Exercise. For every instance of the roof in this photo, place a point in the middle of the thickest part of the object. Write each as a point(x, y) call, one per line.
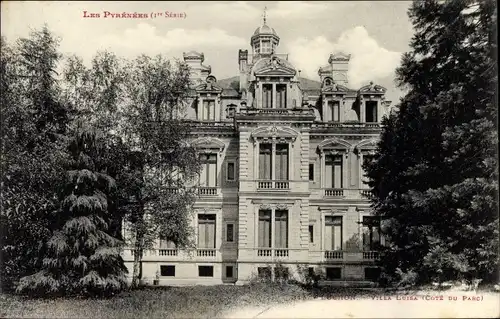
point(265, 29)
point(231, 86)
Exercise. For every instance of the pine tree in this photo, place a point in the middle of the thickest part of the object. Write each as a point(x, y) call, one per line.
point(435, 175)
point(34, 124)
point(82, 257)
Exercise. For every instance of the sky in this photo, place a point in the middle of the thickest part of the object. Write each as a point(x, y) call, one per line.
point(375, 33)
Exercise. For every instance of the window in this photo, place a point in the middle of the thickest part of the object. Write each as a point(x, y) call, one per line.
point(281, 96)
point(265, 161)
point(333, 273)
point(372, 273)
point(371, 111)
point(281, 229)
point(208, 175)
point(281, 172)
point(333, 174)
point(205, 271)
point(266, 46)
point(165, 243)
point(230, 110)
point(229, 271)
point(264, 272)
point(366, 160)
point(311, 233)
point(267, 96)
point(208, 111)
point(281, 273)
point(167, 271)
point(333, 233)
point(206, 231)
point(311, 172)
point(230, 233)
point(231, 170)
point(371, 233)
point(333, 111)
point(265, 228)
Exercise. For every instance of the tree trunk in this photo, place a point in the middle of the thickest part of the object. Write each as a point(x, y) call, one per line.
point(138, 250)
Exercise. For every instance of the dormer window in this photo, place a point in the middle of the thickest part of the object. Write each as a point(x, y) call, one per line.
point(328, 82)
point(230, 111)
point(208, 111)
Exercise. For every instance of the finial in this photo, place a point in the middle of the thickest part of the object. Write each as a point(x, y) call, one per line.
point(264, 15)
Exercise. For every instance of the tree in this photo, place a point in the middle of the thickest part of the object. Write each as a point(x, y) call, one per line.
point(160, 162)
point(33, 127)
point(435, 175)
point(81, 256)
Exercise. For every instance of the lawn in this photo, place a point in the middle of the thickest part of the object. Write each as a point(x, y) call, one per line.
point(164, 302)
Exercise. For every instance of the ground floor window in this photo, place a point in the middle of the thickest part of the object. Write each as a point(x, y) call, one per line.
point(264, 272)
point(167, 271)
point(205, 271)
point(333, 273)
point(229, 271)
point(281, 273)
point(372, 273)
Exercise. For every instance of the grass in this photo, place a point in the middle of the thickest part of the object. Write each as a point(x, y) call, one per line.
point(164, 302)
point(173, 302)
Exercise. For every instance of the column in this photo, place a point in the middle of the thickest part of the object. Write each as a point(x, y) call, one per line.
point(360, 169)
point(324, 117)
point(290, 161)
point(341, 110)
point(273, 227)
point(258, 96)
point(351, 169)
point(362, 111)
point(217, 108)
point(274, 95)
point(322, 168)
point(256, 159)
point(200, 109)
point(273, 161)
point(322, 230)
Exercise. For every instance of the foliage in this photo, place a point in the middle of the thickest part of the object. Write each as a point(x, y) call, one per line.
point(81, 257)
point(159, 163)
point(435, 175)
point(33, 127)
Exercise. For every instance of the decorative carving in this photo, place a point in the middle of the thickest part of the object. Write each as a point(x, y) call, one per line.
point(282, 206)
point(265, 206)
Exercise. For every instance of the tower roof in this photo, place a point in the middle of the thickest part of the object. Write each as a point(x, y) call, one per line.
point(265, 30)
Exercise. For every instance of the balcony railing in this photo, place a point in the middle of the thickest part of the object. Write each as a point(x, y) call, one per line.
point(371, 255)
point(269, 252)
point(208, 191)
point(168, 252)
point(334, 254)
point(276, 111)
point(206, 252)
point(347, 193)
point(334, 192)
point(284, 185)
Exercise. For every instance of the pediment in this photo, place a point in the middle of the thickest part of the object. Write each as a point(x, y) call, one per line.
point(372, 88)
point(335, 88)
point(334, 144)
point(275, 132)
point(208, 143)
point(208, 87)
point(269, 71)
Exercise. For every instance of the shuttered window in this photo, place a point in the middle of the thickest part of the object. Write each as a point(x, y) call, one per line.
point(206, 231)
point(281, 96)
point(208, 110)
point(267, 96)
point(281, 162)
point(371, 233)
point(264, 228)
point(333, 233)
point(333, 174)
point(281, 229)
point(208, 175)
point(265, 161)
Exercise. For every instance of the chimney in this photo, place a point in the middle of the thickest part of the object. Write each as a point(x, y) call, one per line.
point(243, 63)
point(194, 60)
point(340, 65)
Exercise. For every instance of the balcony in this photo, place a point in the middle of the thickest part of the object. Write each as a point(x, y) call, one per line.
point(208, 191)
point(276, 111)
point(273, 185)
point(273, 252)
point(347, 193)
point(334, 255)
point(206, 252)
point(371, 255)
point(168, 252)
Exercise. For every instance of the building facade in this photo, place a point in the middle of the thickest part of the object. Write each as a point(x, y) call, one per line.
point(282, 178)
